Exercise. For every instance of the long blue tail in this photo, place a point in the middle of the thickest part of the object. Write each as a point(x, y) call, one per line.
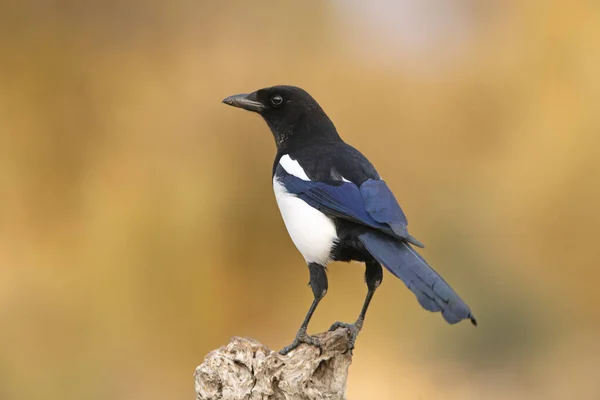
point(432, 291)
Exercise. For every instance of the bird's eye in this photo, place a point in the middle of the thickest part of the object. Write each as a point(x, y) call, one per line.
point(276, 100)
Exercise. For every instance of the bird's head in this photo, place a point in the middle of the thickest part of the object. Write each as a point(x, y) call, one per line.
point(291, 113)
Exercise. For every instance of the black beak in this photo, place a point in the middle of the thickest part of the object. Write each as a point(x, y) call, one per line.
point(245, 101)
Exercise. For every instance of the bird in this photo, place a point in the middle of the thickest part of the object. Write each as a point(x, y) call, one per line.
point(336, 207)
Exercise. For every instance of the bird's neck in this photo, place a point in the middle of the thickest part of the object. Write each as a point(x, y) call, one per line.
point(305, 132)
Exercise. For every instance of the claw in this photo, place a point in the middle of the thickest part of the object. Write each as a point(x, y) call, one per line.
point(338, 324)
point(353, 329)
point(302, 337)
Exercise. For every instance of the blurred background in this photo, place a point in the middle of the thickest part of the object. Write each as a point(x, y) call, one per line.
point(138, 229)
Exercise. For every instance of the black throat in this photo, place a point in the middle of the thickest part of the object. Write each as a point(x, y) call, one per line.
point(303, 129)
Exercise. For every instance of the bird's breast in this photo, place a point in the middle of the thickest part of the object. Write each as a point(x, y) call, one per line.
point(313, 233)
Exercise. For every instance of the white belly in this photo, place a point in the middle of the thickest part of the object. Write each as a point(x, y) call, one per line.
point(312, 232)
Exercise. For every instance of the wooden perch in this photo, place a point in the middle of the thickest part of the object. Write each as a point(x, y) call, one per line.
point(246, 369)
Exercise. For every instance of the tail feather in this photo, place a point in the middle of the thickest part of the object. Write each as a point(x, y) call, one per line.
point(432, 291)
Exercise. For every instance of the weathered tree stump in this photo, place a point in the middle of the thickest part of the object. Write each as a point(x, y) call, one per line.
point(246, 369)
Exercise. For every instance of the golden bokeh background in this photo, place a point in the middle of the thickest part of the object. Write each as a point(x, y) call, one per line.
point(138, 229)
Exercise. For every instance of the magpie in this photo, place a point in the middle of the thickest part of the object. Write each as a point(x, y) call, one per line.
point(336, 207)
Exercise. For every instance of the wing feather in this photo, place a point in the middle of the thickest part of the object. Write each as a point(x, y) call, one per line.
point(373, 204)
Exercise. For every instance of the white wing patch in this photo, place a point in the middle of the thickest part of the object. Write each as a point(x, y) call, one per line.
point(292, 167)
point(313, 233)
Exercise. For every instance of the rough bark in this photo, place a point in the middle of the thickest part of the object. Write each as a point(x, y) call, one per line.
point(246, 369)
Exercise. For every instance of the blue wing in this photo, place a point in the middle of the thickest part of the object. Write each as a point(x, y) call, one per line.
point(373, 204)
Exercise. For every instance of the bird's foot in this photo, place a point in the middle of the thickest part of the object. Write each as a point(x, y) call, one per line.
point(353, 329)
point(302, 337)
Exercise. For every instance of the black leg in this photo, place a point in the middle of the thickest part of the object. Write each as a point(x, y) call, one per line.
point(319, 285)
point(373, 278)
